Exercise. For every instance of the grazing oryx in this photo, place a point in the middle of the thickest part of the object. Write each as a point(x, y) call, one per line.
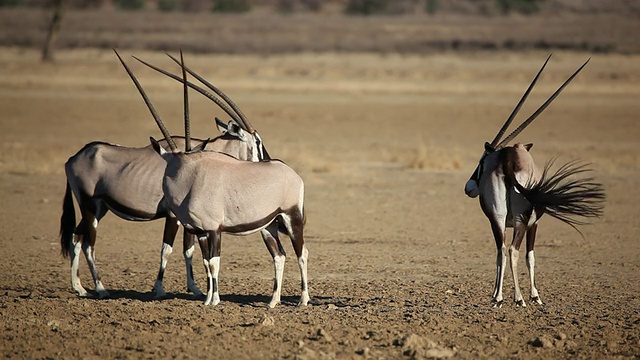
point(514, 193)
point(128, 181)
point(211, 192)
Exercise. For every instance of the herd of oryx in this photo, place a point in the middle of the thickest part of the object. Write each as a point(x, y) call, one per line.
point(230, 184)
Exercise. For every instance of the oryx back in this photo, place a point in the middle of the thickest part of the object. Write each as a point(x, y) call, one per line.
point(208, 190)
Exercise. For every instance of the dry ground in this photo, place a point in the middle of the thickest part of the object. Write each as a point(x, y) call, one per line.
point(401, 263)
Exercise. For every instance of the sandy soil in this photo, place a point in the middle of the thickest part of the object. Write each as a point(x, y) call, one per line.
point(401, 261)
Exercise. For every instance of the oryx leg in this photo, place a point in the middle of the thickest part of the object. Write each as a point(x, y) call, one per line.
point(168, 237)
point(78, 238)
point(210, 246)
point(294, 223)
point(531, 262)
point(189, 246)
point(499, 233)
point(88, 244)
point(272, 241)
point(519, 230)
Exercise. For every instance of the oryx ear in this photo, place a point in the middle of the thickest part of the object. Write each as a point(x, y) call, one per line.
point(234, 129)
point(201, 146)
point(528, 146)
point(222, 127)
point(156, 146)
point(488, 148)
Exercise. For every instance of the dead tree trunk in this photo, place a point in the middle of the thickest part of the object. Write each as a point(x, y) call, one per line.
point(52, 31)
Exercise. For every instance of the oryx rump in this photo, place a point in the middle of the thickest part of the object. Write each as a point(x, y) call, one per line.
point(514, 193)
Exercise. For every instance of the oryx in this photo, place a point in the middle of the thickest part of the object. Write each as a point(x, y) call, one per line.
point(128, 181)
point(211, 193)
point(514, 193)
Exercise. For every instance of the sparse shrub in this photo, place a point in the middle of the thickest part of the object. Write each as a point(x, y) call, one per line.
point(167, 5)
point(231, 6)
point(312, 5)
point(521, 6)
point(129, 4)
point(374, 7)
point(431, 6)
point(8, 3)
point(366, 7)
point(286, 6)
point(86, 4)
point(195, 5)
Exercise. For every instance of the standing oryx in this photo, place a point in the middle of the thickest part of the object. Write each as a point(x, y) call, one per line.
point(212, 192)
point(513, 193)
point(128, 181)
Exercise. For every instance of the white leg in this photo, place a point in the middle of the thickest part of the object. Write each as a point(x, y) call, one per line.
point(75, 263)
point(501, 263)
point(158, 288)
point(513, 262)
point(278, 265)
point(531, 265)
point(302, 263)
point(90, 256)
point(191, 282)
point(212, 267)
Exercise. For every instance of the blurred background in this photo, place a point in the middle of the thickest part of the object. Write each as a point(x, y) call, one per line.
point(290, 26)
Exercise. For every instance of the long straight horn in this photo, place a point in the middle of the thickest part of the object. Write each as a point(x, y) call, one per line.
point(147, 101)
point(197, 88)
point(224, 96)
point(517, 108)
point(187, 123)
point(542, 107)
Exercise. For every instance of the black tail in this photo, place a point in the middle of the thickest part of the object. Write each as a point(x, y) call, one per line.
point(565, 198)
point(67, 223)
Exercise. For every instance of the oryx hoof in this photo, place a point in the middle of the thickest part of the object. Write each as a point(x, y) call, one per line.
point(103, 294)
point(215, 300)
point(304, 300)
point(498, 304)
point(273, 303)
point(521, 303)
point(159, 294)
point(537, 300)
point(82, 292)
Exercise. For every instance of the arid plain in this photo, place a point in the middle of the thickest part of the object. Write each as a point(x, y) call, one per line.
point(401, 261)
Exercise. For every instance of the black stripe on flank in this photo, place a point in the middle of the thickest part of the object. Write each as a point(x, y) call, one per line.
point(131, 214)
point(252, 225)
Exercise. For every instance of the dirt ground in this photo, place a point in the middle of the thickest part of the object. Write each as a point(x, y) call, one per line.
point(401, 261)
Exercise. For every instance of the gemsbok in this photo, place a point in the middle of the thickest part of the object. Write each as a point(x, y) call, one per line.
point(514, 193)
point(211, 193)
point(128, 182)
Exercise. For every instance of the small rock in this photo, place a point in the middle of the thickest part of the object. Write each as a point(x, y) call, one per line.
point(54, 324)
point(266, 320)
point(363, 352)
point(325, 335)
point(44, 201)
point(449, 292)
point(542, 341)
point(570, 344)
point(440, 353)
point(331, 307)
point(561, 336)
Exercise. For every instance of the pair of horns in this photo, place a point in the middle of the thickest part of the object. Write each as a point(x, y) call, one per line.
point(235, 113)
point(494, 143)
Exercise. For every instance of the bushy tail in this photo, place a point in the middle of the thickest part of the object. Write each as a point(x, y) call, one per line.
point(568, 199)
point(67, 223)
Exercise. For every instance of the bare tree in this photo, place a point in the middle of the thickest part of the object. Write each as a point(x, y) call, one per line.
point(52, 30)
